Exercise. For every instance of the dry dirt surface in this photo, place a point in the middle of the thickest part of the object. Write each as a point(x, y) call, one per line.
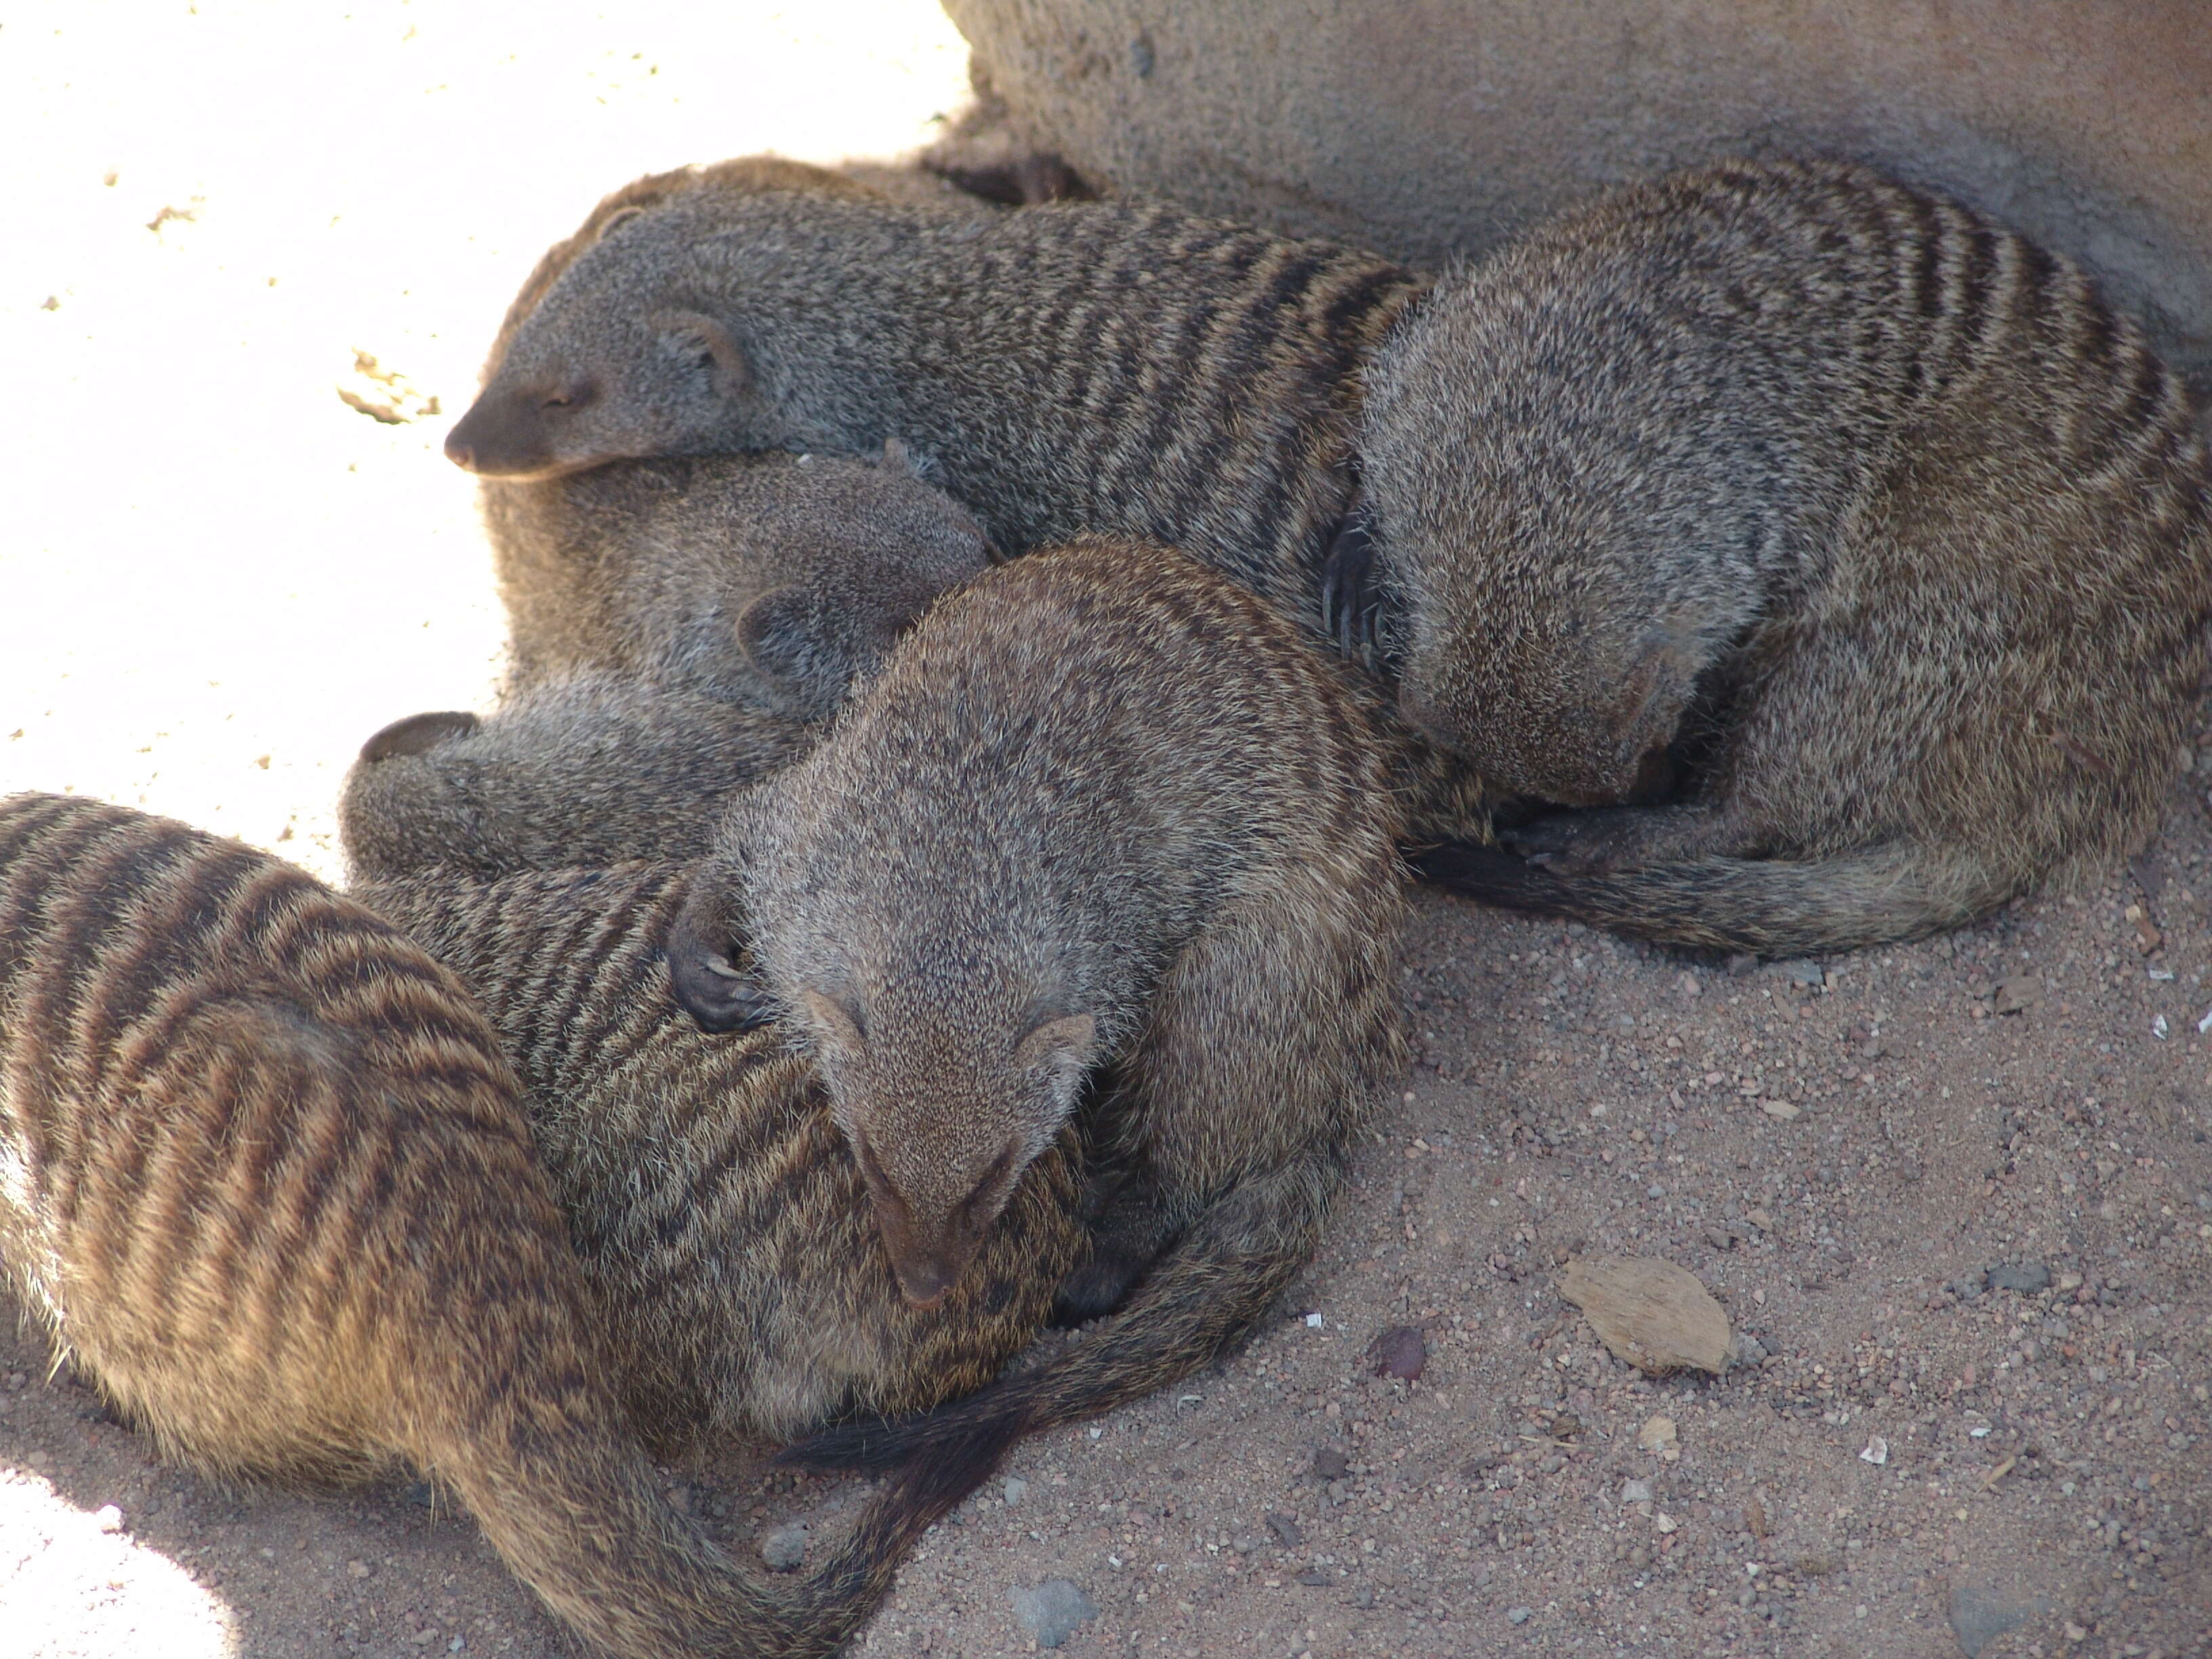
point(1955, 1198)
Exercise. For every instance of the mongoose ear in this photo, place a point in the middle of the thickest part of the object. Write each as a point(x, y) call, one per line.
point(702, 966)
point(1655, 692)
point(839, 1030)
point(620, 216)
point(692, 334)
point(775, 632)
point(1061, 1046)
point(785, 635)
point(418, 734)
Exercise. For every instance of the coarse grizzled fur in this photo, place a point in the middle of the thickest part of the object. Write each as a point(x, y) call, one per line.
point(580, 770)
point(714, 1204)
point(1104, 838)
point(1849, 552)
point(271, 1190)
point(769, 581)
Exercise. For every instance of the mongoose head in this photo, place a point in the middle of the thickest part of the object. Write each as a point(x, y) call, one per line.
point(1539, 629)
point(952, 1057)
point(1552, 708)
point(620, 355)
point(839, 559)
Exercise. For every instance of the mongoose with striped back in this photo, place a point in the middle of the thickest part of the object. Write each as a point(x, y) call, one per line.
point(1104, 837)
point(1063, 369)
point(718, 1213)
point(1849, 553)
point(272, 1190)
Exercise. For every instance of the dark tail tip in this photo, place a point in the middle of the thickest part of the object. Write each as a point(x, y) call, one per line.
point(865, 1448)
point(1491, 874)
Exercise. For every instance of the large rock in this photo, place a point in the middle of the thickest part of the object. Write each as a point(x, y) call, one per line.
point(1429, 127)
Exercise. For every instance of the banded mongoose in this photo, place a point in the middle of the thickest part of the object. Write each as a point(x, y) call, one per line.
point(1849, 550)
point(771, 580)
point(1103, 837)
point(1070, 369)
point(271, 1190)
point(717, 1210)
point(1060, 370)
point(584, 769)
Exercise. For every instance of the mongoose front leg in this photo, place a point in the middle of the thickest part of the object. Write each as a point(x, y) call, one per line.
point(1600, 840)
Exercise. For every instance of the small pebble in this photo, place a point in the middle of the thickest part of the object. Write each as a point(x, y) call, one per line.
point(784, 1548)
point(2026, 1278)
point(1519, 1616)
point(1285, 1528)
point(1636, 1492)
point(1398, 1353)
point(1015, 1490)
point(1051, 1612)
point(1330, 1464)
point(109, 1517)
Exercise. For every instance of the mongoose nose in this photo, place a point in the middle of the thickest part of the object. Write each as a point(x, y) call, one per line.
point(461, 455)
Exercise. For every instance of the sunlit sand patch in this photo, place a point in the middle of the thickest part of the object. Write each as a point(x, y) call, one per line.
point(77, 1585)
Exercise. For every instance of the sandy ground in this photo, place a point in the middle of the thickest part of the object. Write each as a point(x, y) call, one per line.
point(222, 577)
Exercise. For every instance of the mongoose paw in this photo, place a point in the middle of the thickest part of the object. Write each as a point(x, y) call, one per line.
point(1560, 841)
point(418, 734)
point(1096, 1287)
point(719, 995)
point(1350, 601)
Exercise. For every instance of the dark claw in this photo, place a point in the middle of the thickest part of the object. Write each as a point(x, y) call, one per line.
point(1351, 604)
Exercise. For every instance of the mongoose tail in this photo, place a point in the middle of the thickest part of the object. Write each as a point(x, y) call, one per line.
point(1767, 907)
point(625, 1571)
point(1211, 1289)
point(564, 1494)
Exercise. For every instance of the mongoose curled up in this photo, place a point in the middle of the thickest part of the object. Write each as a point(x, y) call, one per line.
point(716, 1208)
point(677, 628)
point(1104, 834)
point(584, 769)
point(271, 1190)
point(1872, 518)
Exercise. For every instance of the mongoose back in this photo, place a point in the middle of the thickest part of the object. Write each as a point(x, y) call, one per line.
point(1065, 369)
point(584, 769)
point(1104, 818)
point(271, 1187)
point(716, 1208)
point(1872, 517)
